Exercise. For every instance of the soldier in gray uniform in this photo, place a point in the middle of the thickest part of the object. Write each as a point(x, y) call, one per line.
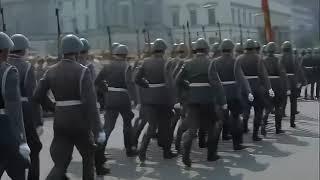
point(200, 101)
point(238, 50)
point(255, 71)
point(84, 58)
point(31, 110)
point(308, 64)
point(157, 101)
point(215, 49)
point(77, 121)
point(289, 63)
point(280, 85)
point(14, 157)
point(114, 82)
point(234, 84)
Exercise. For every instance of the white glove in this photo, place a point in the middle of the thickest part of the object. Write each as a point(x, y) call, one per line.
point(177, 106)
point(225, 107)
point(271, 93)
point(250, 97)
point(39, 130)
point(24, 150)
point(101, 137)
point(288, 92)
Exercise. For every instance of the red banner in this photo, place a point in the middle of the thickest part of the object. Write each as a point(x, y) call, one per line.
point(267, 21)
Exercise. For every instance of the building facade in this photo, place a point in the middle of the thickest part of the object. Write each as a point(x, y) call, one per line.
point(212, 19)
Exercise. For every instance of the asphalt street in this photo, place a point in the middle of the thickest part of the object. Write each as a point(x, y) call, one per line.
point(291, 156)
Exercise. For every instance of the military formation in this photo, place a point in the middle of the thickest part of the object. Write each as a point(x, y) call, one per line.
point(197, 91)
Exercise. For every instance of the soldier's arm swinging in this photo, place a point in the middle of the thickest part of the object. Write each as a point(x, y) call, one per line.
point(30, 86)
point(40, 93)
point(283, 76)
point(263, 73)
point(216, 84)
point(139, 78)
point(13, 105)
point(240, 78)
point(89, 101)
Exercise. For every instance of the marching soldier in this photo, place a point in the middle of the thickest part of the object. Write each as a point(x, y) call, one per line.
point(200, 103)
point(255, 71)
point(258, 47)
point(84, 58)
point(113, 80)
point(234, 83)
point(279, 82)
point(215, 49)
point(238, 50)
point(76, 120)
point(14, 157)
point(287, 60)
point(157, 101)
point(308, 64)
point(31, 111)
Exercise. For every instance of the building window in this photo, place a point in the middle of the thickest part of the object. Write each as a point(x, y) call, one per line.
point(125, 14)
point(233, 16)
point(250, 18)
point(193, 17)
point(175, 19)
point(212, 16)
point(244, 17)
point(87, 4)
point(239, 17)
point(87, 22)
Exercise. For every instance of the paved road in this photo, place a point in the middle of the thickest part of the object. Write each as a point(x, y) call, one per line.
point(292, 156)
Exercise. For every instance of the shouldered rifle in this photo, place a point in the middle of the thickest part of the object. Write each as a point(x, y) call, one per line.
point(184, 34)
point(4, 29)
point(204, 32)
point(138, 43)
point(109, 40)
point(59, 34)
point(189, 40)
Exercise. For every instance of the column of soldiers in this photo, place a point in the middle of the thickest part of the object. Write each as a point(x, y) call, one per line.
point(198, 92)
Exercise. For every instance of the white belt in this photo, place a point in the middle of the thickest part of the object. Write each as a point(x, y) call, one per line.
point(68, 103)
point(2, 111)
point(24, 99)
point(228, 82)
point(157, 85)
point(199, 85)
point(274, 77)
point(290, 74)
point(308, 67)
point(251, 77)
point(117, 89)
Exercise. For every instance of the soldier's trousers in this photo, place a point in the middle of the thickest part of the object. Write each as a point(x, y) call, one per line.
point(195, 113)
point(138, 126)
point(277, 104)
point(258, 105)
point(158, 116)
point(233, 117)
point(111, 116)
point(61, 152)
point(35, 147)
point(293, 102)
point(33, 141)
point(12, 165)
